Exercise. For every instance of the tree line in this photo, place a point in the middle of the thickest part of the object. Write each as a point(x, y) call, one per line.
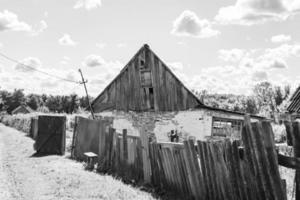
point(42, 102)
point(265, 100)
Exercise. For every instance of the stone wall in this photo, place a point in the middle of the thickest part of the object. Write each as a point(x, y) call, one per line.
point(195, 124)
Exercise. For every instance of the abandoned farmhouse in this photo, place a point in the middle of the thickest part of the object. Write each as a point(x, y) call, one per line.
point(147, 95)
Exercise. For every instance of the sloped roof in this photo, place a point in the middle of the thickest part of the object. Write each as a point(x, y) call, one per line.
point(27, 108)
point(146, 46)
point(295, 102)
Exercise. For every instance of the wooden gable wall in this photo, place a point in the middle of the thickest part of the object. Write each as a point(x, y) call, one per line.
point(145, 84)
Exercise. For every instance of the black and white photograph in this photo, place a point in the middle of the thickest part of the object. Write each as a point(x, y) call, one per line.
point(149, 100)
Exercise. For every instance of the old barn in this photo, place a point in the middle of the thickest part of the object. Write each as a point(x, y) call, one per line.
point(147, 95)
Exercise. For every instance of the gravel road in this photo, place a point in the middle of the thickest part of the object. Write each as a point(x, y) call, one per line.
point(25, 177)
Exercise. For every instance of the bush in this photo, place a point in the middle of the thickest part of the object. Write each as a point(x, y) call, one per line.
point(21, 122)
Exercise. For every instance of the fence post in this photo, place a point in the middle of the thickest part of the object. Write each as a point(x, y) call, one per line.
point(145, 154)
point(74, 137)
point(125, 146)
point(289, 132)
point(296, 146)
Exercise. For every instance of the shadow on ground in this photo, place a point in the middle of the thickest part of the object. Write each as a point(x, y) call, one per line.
point(39, 154)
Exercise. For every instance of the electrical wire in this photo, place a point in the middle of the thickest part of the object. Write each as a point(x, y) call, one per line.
point(34, 69)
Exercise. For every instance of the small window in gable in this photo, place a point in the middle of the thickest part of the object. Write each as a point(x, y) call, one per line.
point(146, 79)
point(142, 64)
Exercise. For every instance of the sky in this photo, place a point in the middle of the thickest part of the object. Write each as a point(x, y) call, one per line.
point(223, 46)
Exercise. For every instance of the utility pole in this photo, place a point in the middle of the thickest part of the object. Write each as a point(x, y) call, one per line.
point(87, 95)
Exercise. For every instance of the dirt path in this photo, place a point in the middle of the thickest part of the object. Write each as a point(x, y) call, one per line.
point(24, 177)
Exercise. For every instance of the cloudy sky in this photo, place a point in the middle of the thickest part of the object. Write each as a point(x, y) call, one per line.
point(222, 46)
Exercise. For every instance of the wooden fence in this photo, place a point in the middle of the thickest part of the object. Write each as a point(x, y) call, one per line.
point(246, 169)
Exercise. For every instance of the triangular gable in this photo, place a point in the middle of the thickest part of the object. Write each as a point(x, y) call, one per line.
point(22, 109)
point(146, 83)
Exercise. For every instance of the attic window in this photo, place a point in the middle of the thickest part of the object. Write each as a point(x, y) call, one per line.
point(146, 79)
point(142, 63)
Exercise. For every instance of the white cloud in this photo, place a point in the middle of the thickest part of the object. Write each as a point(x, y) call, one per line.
point(283, 51)
point(66, 40)
point(41, 28)
point(49, 84)
point(247, 68)
point(275, 63)
point(278, 64)
point(280, 38)
point(10, 21)
point(106, 71)
point(1, 45)
point(65, 60)
point(267, 59)
point(94, 61)
point(28, 64)
point(121, 45)
point(87, 4)
point(181, 43)
point(249, 12)
point(259, 76)
point(231, 55)
point(176, 66)
point(189, 24)
point(101, 45)
point(178, 69)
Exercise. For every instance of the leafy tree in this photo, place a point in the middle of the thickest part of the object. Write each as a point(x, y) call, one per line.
point(5, 99)
point(53, 103)
point(73, 101)
point(33, 101)
point(15, 99)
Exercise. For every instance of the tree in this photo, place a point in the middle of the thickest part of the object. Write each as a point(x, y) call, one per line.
point(5, 99)
point(73, 103)
point(265, 98)
point(33, 101)
point(53, 103)
point(16, 99)
point(250, 106)
point(84, 103)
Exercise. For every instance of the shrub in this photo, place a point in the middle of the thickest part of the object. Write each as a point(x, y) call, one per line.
point(21, 122)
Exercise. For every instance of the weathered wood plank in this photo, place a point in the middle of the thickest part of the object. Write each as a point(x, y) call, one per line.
point(271, 157)
point(250, 156)
point(145, 154)
point(201, 146)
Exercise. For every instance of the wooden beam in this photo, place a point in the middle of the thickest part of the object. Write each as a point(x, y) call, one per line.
point(289, 162)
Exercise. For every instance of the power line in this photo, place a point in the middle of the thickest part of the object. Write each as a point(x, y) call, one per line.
point(34, 69)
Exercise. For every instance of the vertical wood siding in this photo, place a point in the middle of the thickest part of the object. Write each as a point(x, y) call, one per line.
point(126, 91)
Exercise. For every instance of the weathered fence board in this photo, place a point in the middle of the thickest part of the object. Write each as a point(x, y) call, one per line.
point(87, 136)
point(51, 135)
point(33, 128)
point(258, 139)
point(210, 170)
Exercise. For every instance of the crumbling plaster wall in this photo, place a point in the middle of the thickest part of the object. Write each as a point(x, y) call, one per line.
point(189, 124)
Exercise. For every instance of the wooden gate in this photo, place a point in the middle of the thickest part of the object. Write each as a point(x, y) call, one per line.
point(51, 136)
